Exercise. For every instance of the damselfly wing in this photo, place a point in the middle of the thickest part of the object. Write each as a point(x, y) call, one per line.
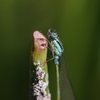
point(66, 90)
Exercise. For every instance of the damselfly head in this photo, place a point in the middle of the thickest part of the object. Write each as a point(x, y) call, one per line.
point(52, 33)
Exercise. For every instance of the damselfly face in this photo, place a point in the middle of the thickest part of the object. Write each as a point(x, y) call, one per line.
point(52, 33)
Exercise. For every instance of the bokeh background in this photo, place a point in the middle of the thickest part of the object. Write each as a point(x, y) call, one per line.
point(78, 25)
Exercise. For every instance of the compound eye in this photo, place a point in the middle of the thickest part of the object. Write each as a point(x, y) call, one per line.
point(51, 30)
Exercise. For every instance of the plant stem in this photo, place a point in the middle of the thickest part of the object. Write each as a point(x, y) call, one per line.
point(39, 80)
point(58, 84)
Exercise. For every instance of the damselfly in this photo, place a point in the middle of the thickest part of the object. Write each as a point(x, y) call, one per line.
point(64, 89)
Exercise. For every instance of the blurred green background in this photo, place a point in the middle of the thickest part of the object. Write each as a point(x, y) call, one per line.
point(78, 25)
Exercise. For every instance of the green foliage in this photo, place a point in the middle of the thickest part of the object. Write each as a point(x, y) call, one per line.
point(77, 23)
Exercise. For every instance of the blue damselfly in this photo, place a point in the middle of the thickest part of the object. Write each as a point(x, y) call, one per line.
point(64, 88)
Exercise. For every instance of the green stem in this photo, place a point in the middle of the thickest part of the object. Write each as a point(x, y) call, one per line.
point(40, 88)
point(58, 84)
